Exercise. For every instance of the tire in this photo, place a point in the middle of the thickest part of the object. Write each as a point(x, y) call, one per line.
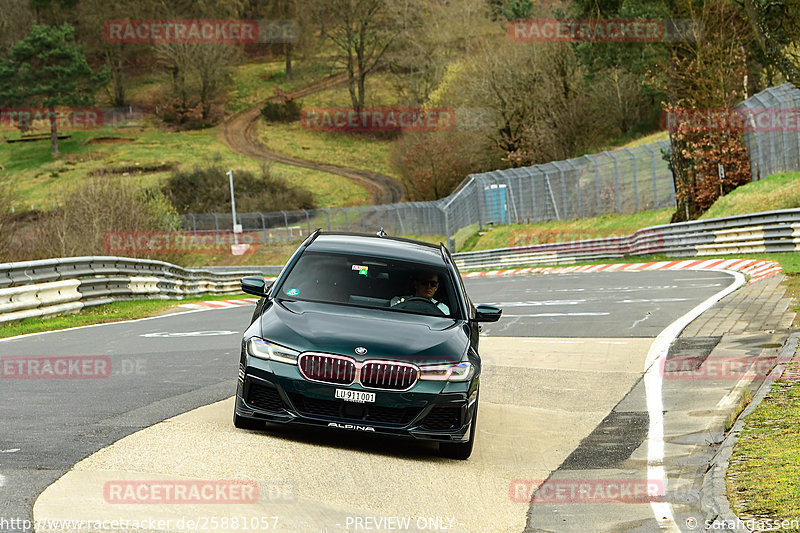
point(242, 422)
point(460, 450)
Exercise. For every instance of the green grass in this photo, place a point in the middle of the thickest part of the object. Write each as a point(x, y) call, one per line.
point(350, 150)
point(254, 83)
point(380, 92)
point(39, 180)
point(114, 312)
point(567, 230)
point(647, 139)
point(779, 191)
point(764, 472)
point(354, 151)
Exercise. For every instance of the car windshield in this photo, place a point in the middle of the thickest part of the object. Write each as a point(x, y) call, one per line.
point(365, 281)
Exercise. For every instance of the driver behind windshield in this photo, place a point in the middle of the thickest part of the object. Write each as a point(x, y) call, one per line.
point(423, 285)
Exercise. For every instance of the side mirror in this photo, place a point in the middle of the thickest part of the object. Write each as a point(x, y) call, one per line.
point(255, 285)
point(487, 313)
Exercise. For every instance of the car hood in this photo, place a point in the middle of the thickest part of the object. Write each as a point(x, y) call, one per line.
point(339, 329)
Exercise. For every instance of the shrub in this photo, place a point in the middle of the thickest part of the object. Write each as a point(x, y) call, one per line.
point(288, 111)
point(431, 165)
point(206, 190)
point(95, 207)
point(6, 222)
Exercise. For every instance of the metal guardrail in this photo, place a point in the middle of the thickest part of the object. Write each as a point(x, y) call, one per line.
point(54, 286)
point(770, 231)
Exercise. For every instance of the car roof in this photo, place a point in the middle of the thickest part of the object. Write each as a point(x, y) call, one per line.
point(375, 246)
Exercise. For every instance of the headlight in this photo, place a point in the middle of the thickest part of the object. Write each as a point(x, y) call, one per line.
point(448, 372)
point(270, 351)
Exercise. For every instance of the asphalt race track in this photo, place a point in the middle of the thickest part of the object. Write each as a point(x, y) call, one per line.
point(569, 352)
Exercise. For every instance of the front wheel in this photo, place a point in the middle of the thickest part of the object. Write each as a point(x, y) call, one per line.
point(461, 450)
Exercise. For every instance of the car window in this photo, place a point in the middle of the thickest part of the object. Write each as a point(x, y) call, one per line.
point(366, 281)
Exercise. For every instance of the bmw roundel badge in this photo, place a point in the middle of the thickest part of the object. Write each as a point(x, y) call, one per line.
point(360, 350)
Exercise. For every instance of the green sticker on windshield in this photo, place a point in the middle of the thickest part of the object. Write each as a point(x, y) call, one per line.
point(293, 292)
point(362, 269)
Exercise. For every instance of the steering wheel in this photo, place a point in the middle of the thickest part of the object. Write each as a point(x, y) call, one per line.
point(419, 304)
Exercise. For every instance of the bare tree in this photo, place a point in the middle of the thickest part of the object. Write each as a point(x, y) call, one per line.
point(537, 101)
point(706, 70)
point(776, 24)
point(431, 36)
point(16, 18)
point(362, 31)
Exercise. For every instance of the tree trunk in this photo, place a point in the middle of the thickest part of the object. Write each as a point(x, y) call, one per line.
point(119, 84)
point(351, 83)
point(683, 180)
point(53, 132)
point(361, 85)
point(287, 47)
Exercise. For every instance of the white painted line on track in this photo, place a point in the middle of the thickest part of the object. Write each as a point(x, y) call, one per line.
point(651, 301)
point(653, 381)
point(553, 342)
point(2, 481)
point(165, 334)
point(539, 303)
point(562, 314)
point(110, 323)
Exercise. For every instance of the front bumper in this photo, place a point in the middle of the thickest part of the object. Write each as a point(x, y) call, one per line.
point(430, 410)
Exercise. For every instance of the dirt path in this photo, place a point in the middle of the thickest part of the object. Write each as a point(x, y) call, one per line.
point(240, 133)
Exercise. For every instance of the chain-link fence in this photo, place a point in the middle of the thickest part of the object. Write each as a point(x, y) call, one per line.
point(773, 139)
point(627, 180)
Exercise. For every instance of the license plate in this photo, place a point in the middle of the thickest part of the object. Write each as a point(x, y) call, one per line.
point(356, 396)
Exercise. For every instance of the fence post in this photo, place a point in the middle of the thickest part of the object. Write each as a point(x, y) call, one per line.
point(263, 226)
point(286, 223)
point(616, 180)
point(328, 214)
point(447, 238)
point(635, 185)
point(653, 168)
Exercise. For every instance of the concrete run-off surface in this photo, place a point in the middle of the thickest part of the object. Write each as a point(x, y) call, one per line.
point(533, 399)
